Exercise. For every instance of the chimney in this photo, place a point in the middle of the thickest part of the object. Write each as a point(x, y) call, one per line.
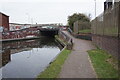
point(105, 5)
point(108, 4)
point(116, 3)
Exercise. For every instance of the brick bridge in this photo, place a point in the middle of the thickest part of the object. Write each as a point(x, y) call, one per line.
point(30, 32)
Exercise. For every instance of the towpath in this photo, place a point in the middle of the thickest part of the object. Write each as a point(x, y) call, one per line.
point(78, 64)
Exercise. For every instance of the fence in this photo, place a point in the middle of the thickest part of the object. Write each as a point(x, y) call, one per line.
point(107, 23)
point(106, 30)
point(63, 36)
point(67, 39)
point(79, 25)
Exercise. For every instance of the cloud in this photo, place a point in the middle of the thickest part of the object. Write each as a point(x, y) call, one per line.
point(50, 0)
point(52, 11)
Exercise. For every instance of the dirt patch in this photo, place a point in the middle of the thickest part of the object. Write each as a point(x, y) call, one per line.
point(113, 62)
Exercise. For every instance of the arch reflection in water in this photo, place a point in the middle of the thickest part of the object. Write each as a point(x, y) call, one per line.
point(26, 59)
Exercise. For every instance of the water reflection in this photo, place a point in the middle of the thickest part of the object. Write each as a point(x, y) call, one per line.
point(26, 59)
point(6, 57)
point(42, 42)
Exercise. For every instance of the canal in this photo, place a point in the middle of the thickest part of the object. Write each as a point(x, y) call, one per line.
point(26, 59)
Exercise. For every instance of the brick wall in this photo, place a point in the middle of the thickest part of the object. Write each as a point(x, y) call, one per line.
point(0, 19)
point(109, 44)
point(4, 21)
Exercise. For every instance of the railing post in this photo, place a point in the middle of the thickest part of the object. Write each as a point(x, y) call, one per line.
point(119, 22)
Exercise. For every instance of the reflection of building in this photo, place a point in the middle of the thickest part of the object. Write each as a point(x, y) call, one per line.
point(0, 59)
point(24, 45)
point(6, 57)
point(15, 47)
point(4, 21)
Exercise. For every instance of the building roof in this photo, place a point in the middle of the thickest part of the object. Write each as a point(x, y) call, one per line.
point(4, 14)
point(19, 24)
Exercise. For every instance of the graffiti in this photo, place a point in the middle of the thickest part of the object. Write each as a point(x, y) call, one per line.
point(27, 32)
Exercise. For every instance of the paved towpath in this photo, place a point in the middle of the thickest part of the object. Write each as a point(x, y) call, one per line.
point(78, 64)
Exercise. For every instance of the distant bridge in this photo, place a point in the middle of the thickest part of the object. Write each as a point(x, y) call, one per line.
point(31, 32)
point(48, 31)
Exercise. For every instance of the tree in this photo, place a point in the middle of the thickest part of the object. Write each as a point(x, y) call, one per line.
point(77, 17)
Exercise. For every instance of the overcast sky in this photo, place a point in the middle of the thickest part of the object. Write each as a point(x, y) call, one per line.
point(48, 11)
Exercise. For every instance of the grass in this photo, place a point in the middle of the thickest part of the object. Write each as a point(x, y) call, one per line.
point(85, 31)
point(55, 67)
point(104, 64)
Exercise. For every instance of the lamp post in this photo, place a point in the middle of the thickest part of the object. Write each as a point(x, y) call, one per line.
point(95, 8)
point(95, 19)
point(28, 17)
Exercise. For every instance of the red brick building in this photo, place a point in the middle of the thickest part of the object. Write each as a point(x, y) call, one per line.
point(4, 21)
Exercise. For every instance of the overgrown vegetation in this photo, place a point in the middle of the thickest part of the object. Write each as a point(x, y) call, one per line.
point(104, 64)
point(77, 17)
point(85, 31)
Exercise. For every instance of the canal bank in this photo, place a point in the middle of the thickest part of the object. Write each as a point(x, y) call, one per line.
point(53, 70)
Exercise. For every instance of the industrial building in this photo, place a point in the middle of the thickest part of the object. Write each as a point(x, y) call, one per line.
point(4, 21)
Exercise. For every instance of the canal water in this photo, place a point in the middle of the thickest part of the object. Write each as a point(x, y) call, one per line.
point(26, 59)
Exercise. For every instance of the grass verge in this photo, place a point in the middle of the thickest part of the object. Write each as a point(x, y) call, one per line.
point(104, 64)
